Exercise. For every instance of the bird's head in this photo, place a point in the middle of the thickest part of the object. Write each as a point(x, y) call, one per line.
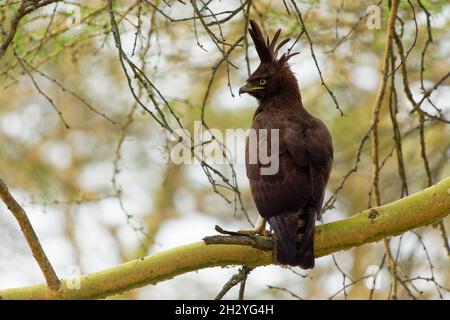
point(273, 75)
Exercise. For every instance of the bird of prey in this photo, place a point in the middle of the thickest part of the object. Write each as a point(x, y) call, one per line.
point(291, 198)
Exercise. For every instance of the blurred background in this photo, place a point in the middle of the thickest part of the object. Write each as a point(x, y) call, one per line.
point(92, 167)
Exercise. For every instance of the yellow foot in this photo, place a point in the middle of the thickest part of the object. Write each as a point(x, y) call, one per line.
point(260, 229)
point(254, 232)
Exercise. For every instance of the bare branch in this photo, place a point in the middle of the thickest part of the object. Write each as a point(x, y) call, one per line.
point(31, 237)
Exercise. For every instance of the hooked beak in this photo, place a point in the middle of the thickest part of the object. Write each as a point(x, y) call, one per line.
point(246, 88)
point(243, 89)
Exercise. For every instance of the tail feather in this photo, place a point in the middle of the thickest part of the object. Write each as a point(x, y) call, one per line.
point(295, 238)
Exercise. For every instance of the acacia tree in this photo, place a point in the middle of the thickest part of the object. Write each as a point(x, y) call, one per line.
point(71, 57)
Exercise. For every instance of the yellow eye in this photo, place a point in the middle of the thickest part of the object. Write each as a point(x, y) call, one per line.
point(262, 82)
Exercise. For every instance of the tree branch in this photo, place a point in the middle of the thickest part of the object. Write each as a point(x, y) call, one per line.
point(25, 8)
point(420, 209)
point(31, 237)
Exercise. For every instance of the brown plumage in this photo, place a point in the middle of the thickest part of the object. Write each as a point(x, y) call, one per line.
point(291, 199)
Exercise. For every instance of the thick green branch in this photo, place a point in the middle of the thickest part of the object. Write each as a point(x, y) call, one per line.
point(420, 209)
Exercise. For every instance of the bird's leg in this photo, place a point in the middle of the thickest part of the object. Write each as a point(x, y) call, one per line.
point(260, 228)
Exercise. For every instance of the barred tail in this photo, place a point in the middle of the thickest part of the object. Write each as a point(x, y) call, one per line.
point(295, 237)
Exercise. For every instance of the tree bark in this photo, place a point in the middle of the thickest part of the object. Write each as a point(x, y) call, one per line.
point(30, 236)
point(422, 208)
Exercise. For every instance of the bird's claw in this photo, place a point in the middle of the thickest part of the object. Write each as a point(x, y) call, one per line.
point(255, 232)
point(247, 233)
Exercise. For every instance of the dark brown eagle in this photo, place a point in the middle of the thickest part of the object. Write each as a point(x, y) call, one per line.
point(290, 198)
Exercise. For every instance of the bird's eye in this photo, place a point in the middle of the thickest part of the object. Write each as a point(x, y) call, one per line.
point(262, 82)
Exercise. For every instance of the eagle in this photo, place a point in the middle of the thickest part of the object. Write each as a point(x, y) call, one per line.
point(290, 198)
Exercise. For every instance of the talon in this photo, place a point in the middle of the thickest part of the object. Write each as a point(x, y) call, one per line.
point(249, 232)
point(260, 229)
point(268, 233)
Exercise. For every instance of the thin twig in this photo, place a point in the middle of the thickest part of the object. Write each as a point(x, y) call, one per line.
point(240, 277)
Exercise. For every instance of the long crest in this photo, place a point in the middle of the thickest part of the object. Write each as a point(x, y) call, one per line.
point(266, 49)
